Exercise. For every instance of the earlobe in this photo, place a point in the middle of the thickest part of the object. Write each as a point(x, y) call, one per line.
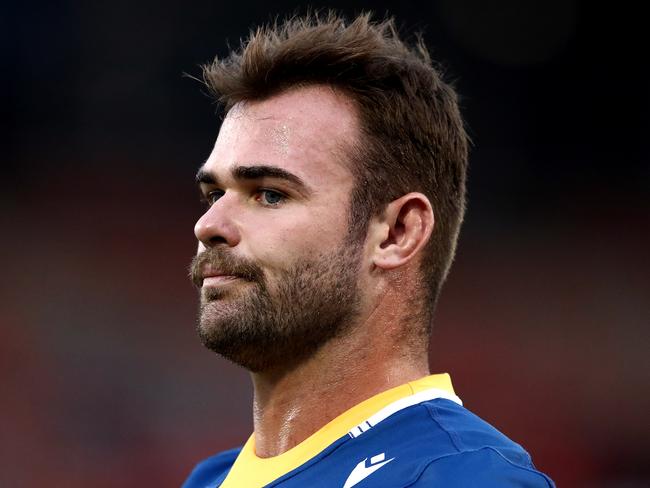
point(407, 226)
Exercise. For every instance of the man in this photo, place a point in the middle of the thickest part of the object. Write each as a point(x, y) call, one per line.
point(335, 193)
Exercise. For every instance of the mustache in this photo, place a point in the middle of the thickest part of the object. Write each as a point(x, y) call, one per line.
point(226, 262)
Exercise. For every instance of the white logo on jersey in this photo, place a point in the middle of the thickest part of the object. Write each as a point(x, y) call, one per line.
point(361, 471)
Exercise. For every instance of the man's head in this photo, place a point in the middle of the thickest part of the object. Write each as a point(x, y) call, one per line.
point(277, 265)
point(363, 121)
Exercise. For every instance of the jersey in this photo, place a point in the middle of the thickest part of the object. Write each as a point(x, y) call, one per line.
point(415, 435)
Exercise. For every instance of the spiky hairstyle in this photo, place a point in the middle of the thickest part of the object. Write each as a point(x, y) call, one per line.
point(412, 134)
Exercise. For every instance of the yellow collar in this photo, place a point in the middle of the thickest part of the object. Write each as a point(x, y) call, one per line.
point(252, 471)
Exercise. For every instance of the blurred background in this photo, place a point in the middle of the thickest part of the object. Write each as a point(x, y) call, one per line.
point(543, 323)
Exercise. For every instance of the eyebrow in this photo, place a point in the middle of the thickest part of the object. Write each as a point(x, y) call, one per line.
point(255, 173)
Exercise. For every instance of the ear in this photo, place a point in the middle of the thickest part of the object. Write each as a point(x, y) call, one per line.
point(402, 230)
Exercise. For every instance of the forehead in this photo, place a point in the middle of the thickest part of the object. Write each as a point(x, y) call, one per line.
point(305, 131)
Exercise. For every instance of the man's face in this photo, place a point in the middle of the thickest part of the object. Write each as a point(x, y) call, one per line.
point(276, 266)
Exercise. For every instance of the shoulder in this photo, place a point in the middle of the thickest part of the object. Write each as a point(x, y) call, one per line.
point(467, 432)
point(213, 470)
point(485, 467)
point(440, 443)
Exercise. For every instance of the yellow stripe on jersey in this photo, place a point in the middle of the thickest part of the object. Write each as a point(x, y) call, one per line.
point(250, 471)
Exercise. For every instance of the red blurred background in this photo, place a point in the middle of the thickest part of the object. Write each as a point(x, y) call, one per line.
point(543, 323)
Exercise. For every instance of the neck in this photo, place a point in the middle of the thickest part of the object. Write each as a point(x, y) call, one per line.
point(289, 406)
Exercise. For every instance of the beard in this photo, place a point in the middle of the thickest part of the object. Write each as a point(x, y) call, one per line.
point(266, 326)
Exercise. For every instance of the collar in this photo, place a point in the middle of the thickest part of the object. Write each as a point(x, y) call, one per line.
point(251, 470)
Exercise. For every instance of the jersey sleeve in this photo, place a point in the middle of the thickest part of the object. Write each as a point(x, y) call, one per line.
point(484, 468)
point(212, 471)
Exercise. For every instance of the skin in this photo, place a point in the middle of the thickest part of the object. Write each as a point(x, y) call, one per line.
point(303, 131)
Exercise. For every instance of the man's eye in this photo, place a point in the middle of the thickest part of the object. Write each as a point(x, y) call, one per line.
point(270, 197)
point(213, 196)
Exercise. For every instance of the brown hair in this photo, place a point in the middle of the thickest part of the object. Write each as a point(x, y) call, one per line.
point(412, 134)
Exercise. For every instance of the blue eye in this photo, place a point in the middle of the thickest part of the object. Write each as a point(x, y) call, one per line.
point(270, 197)
point(214, 195)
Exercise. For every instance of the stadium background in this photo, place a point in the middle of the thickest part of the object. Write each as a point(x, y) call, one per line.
point(543, 323)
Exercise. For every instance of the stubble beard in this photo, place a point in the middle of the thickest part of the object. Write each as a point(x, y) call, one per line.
point(269, 326)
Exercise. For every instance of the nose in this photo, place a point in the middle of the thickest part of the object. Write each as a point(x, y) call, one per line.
point(217, 226)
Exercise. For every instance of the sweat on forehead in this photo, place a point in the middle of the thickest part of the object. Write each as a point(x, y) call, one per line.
point(313, 117)
point(297, 102)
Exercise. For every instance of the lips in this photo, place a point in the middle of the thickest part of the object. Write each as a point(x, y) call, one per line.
point(209, 272)
point(218, 280)
point(211, 276)
point(217, 266)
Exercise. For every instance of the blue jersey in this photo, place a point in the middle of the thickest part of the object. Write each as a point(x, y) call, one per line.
point(415, 435)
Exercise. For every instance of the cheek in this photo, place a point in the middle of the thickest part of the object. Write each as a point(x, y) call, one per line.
point(282, 239)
